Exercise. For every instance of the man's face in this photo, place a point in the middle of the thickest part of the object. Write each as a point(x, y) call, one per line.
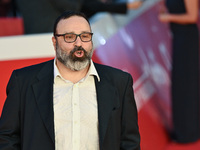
point(76, 55)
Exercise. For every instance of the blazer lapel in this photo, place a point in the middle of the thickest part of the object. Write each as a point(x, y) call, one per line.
point(107, 101)
point(43, 90)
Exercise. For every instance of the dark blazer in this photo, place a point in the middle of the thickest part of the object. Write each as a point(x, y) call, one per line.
point(27, 121)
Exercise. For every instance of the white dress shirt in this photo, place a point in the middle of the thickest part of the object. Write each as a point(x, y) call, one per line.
point(76, 112)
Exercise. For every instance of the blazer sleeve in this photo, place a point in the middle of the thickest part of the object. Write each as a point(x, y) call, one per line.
point(10, 117)
point(63, 5)
point(90, 7)
point(130, 137)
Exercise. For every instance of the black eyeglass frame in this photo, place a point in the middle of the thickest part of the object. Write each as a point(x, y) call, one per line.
point(58, 35)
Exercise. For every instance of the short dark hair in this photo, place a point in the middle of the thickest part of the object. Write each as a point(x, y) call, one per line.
point(68, 14)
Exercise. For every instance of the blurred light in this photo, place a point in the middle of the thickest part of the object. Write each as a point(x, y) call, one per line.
point(127, 39)
point(102, 41)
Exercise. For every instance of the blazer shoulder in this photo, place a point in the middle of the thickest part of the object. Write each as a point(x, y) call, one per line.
point(111, 72)
point(29, 73)
point(33, 68)
point(109, 69)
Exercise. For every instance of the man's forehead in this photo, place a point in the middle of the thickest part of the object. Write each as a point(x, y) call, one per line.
point(73, 22)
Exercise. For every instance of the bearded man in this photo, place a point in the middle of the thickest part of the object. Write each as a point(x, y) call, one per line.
point(70, 102)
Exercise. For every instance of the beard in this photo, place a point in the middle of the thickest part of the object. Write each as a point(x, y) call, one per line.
point(71, 61)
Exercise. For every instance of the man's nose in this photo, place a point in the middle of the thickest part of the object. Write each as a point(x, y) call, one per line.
point(78, 41)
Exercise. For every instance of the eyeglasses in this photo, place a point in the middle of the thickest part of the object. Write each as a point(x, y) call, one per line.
point(71, 37)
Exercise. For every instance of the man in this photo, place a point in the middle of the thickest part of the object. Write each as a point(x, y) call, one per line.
point(70, 103)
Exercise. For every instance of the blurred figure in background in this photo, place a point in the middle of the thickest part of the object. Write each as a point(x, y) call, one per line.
point(39, 15)
point(182, 16)
point(7, 8)
point(90, 7)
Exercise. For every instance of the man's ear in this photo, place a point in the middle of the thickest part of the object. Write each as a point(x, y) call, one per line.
point(54, 42)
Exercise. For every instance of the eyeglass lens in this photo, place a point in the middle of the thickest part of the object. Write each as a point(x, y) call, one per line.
point(85, 37)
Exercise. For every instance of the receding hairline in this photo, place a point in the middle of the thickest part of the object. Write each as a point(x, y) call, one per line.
point(68, 14)
point(65, 19)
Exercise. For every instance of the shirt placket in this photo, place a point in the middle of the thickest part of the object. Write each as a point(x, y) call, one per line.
point(76, 118)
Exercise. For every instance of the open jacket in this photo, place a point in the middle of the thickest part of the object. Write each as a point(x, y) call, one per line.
point(27, 121)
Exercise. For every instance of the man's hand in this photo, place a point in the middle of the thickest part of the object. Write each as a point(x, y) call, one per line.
point(134, 5)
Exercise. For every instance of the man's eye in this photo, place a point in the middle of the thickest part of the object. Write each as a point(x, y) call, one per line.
point(85, 35)
point(69, 36)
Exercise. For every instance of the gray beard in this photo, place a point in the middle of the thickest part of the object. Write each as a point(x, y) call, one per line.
point(72, 62)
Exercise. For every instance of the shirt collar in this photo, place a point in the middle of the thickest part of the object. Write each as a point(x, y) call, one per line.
point(91, 72)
